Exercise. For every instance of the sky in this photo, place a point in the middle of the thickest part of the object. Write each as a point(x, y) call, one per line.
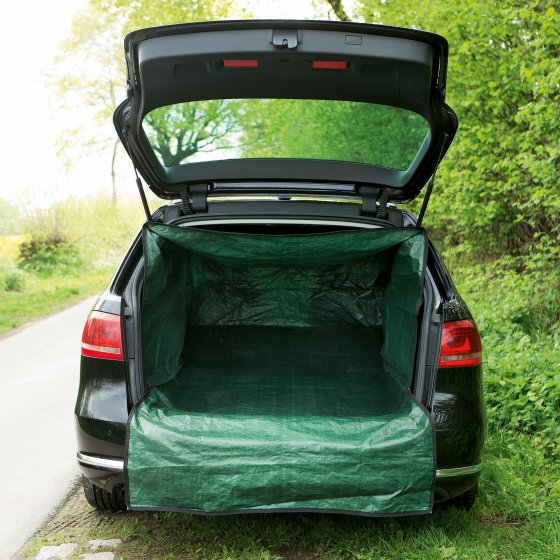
point(30, 126)
point(32, 174)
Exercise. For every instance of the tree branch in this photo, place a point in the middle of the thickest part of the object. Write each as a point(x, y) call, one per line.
point(338, 10)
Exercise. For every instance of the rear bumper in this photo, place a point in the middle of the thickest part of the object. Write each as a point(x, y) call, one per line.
point(108, 472)
point(456, 481)
point(117, 465)
point(103, 463)
point(105, 472)
point(446, 474)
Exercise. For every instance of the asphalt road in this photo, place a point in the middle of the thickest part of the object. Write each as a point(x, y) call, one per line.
point(39, 370)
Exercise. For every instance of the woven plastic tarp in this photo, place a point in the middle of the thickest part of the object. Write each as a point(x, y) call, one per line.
point(279, 371)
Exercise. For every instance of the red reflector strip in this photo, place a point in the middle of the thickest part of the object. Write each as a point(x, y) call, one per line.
point(102, 336)
point(330, 64)
point(238, 63)
point(460, 345)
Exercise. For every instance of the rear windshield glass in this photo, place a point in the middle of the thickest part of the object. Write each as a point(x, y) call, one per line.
point(347, 131)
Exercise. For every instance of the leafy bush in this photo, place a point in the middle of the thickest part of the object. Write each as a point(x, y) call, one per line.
point(14, 281)
point(49, 255)
point(64, 236)
point(11, 279)
point(517, 313)
point(523, 392)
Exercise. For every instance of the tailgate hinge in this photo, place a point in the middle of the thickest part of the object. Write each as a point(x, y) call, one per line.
point(194, 199)
point(374, 201)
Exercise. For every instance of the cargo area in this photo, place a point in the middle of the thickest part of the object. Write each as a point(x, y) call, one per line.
point(278, 370)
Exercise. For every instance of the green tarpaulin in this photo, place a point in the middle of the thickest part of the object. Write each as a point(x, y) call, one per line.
point(279, 369)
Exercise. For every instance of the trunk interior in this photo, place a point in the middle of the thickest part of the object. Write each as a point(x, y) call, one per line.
point(278, 368)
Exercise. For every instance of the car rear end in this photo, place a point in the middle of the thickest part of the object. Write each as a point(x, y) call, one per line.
point(301, 137)
point(449, 384)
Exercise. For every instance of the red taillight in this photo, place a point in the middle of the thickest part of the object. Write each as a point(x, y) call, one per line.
point(330, 64)
point(102, 336)
point(241, 63)
point(460, 345)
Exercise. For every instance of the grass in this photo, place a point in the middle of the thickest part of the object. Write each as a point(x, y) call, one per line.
point(512, 520)
point(86, 259)
point(27, 295)
point(42, 296)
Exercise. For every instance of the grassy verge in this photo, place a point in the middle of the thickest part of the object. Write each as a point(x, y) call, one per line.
point(61, 254)
point(42, 296)
point(516, 518)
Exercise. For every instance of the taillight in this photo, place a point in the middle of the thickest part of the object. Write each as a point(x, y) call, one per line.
point(102, 336)
point(460, 344)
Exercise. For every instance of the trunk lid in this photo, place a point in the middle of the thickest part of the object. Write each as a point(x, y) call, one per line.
point(286, 101)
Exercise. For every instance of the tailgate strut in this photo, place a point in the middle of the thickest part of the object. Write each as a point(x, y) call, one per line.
point(431, 183)
point(142, 195)
point(138, 180)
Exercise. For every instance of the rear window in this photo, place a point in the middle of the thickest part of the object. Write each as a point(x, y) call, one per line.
point(346, 131)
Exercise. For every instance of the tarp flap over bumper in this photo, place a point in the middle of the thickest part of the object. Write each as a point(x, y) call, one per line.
point(279, 369)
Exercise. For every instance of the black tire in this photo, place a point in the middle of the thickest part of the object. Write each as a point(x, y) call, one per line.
point(103, 500)
point(466, 500)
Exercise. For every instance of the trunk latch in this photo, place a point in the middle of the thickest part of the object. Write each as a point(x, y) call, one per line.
point(285, 38)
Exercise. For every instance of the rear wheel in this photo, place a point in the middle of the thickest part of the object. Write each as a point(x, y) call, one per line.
point(102, 499)
point(466, 500)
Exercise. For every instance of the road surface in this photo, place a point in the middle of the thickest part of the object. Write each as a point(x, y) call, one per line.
point(39, 370)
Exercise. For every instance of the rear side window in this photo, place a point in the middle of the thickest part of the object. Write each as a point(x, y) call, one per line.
point(348, 131)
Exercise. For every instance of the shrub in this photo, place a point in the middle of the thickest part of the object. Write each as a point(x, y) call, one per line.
point(14, 281)
point(11, 279)
point(49, 255)
point(516, 309)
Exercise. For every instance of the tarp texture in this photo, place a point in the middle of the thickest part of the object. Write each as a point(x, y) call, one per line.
point(278, 370)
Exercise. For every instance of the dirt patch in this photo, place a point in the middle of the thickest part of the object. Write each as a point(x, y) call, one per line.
point(75, 521)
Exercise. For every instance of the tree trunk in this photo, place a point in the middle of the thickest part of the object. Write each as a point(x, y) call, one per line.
point(113, 178)
point(338, 10)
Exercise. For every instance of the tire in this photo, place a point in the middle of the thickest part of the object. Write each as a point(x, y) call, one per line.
point(466, 500)
point(103, 500)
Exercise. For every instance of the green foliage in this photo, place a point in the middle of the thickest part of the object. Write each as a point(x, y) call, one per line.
point(14, 281)
point(517, 314)
point(177, 132)
point(70, 234)
point(497, 192)
point(69, 251)
point(496, 205)
point(138, 14)
point(338, 130)
point(43, 295)
point(285, 128)
point(49, 256)
point(11, 279)
point(50, 250)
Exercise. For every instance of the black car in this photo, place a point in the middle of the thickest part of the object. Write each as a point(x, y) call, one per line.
point(281, 336)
